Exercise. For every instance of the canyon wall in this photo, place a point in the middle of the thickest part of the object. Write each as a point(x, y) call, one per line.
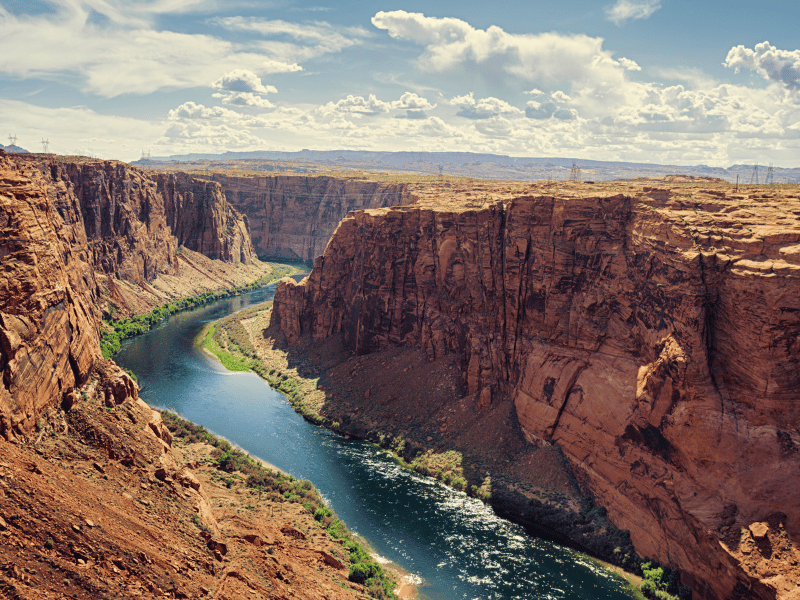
point(293, 217)
point(73, 234)
point(48, 327)
point(651, 334)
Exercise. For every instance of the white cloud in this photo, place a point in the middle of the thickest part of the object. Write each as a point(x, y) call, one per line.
point(244, 81)
point(410, 101)
point(244, 99)
point(75, 130)
point(122, 56)
point(631, 9)
point(774, 65)
point(316, 37)
point(357, 105)
point(453, 44)
point(485, 108)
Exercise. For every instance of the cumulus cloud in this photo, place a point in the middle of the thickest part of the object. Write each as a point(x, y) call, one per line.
point(410, 101)
point(192, 110)
point(357, 106)
point(485, 108)
point(496, 55)
point(244, 81)
point(624, 10)
point(245, 99)
point(773, 64)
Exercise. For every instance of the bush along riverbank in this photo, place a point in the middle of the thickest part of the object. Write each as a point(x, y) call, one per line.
point(237, 341)
point(113, 332)
point(237, 467)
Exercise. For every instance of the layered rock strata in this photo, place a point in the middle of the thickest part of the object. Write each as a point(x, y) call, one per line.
point(651, 334)
point(75, 235)
point(293, 217)
point(48, 327)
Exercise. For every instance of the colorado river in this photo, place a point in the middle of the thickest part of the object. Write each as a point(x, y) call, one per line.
point(455, 545)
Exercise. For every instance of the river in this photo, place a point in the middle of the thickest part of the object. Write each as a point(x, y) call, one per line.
point(455, 546)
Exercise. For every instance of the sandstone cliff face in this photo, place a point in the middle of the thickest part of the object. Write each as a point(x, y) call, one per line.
point(202, 220)
point(294, 217)
point(72, 234)
point(653, 335)
point(48, 328)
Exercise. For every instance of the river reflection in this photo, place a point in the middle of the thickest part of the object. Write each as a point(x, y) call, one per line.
point(455, 545)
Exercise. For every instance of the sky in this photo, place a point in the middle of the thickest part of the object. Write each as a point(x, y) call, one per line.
point(655, 81)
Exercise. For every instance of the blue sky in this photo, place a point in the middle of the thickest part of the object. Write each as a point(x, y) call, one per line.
point(662, 81)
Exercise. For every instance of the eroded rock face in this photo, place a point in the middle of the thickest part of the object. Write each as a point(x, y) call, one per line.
point(69, 230)
point(48, 328)
point(653, 335)
point(294, 217)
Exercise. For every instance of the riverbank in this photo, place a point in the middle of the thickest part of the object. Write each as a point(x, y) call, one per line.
point(246, 278)
point(113, 499)
point(348, 394)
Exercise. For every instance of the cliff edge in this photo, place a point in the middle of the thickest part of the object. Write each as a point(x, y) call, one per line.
point(650, 332)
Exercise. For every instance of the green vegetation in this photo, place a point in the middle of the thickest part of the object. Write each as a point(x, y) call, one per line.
point(277, 486)
point(114, 331)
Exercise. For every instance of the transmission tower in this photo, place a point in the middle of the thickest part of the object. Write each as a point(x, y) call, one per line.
point(45, 145)
point(575, 173)
point(12, 140)
point(754, 176)
point(770, 180)
point(145, 158)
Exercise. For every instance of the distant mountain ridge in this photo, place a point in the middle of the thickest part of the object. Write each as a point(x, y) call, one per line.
point(495, 166)
point(14, 149)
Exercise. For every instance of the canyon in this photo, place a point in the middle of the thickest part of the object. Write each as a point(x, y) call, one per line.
point(647, 329)
point(293, 217)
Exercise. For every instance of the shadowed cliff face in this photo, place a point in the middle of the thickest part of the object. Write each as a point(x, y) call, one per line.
point(652, 336)
point(68, 230)
point(294, 217)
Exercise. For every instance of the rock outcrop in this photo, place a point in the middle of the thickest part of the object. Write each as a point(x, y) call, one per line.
point(293, 217)
point(652, 334)
point(72, 235)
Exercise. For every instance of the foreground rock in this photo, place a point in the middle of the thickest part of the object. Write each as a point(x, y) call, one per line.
point(650, 333)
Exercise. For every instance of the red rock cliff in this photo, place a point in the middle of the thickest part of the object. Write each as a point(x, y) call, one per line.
point(652, 335)
point(68, 230)
point(294, 217)
point(48, 329)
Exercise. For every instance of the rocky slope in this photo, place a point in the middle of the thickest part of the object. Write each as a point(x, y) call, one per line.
point(103, 502)
point(293, 217)
point(650, 333)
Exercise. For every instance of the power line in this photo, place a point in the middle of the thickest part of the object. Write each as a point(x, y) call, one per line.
point(754, 176)
point(575, 173)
